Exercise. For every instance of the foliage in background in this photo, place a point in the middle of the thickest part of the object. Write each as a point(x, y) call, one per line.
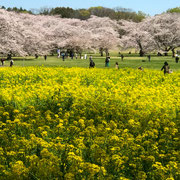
point(174, 10)
point(83, 14)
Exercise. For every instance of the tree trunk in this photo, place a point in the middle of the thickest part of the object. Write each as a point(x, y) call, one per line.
point(173, 52)
point(107, 52)
point(141, 53)
point(101, 51)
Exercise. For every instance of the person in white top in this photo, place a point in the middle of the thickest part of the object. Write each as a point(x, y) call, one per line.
point(59, 53)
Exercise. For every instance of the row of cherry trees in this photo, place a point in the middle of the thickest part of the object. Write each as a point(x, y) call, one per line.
point(161, 32)
point(25, 34)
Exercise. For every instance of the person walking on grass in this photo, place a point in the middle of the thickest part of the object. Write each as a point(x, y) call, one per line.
point(36, 56)
point(149, 57)
point(177, 58)
point(107, 60)
point(11, 63)
point(71, 54)
point(2, 61)
point(45, 57)
point(117, 65)
point(63, 55)
point(122, 57)
point(91, 64)
point(165, 68)
point(59, 53)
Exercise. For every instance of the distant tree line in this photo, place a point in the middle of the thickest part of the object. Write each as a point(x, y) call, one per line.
point(174, 10)
point(117, 13)
point(15, 9)
point(84, 14)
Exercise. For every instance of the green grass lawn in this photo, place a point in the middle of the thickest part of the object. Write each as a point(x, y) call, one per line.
point(130, 60)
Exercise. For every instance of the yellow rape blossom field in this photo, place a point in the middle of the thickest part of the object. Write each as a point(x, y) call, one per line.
point(78, 123)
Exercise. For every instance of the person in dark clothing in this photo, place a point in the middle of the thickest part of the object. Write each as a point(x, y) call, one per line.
point(91, 64)
point(72, 55)
point(141, 68)
point(63, 55)
point(107, 60)
point(2, 62)
point(149, 57)
point(9, 57)
point(177, 59)
point(45, 57)
point(11, 63)
point(165, 68)
point(122, 57)
point(36, 56)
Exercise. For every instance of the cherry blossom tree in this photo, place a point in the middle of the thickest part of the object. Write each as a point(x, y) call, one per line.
point(10, 36)
point(105, 34)
point(134, 35)
point(20, 34)
point(25, 34)
point(161, 32)
point(71, 37)
point(164, 30)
